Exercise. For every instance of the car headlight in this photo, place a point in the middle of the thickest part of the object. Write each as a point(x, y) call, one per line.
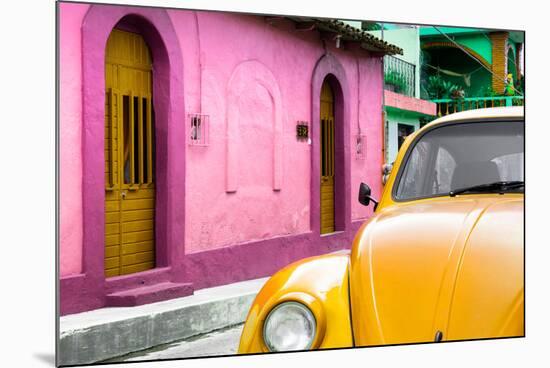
point(289, 326)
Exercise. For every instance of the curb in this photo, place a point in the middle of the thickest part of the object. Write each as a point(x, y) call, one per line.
point(106, 333)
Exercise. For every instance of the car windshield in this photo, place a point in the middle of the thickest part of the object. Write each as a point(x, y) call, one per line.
point(467, 157)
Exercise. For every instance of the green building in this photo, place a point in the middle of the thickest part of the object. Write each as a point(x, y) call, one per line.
point(465, 68)
point(445, 70)
point(405, 110)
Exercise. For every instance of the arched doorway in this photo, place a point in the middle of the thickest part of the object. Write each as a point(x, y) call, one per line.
point(129, 156)
point(330, 134)
point(327, 158)
point(90, 289)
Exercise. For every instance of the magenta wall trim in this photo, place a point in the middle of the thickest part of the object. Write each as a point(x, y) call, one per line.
point(211, 268)
point(215, 267)
point(261, 258)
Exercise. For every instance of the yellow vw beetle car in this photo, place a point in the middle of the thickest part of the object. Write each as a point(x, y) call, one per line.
point(441, 258)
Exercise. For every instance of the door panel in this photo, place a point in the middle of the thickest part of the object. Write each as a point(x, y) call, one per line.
point(327, 159)
point(129, 164)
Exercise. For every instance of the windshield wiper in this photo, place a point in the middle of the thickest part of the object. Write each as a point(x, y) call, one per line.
point(500, 186)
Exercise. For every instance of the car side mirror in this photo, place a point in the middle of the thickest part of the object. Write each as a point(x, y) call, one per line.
point(386, 171)
point(365, 196)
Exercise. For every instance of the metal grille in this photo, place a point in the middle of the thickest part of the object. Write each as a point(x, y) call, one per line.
point(137, 138)
point(450, 106)
point(360, 146)
point(199, 134)
point(302, 130)
point(327, 148)
point(399, 76)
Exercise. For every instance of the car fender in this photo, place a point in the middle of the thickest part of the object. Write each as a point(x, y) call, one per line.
point(320, 283)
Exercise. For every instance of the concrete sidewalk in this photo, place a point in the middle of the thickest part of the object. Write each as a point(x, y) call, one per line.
point(106, 333)
point(216, 343)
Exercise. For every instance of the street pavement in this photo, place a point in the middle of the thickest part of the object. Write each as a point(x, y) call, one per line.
point(221, 342)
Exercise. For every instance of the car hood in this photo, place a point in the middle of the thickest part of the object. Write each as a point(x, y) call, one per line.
point(453, 265)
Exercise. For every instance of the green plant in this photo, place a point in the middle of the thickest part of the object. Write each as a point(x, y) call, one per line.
point(438, 88)
point(488, 91)
point(396, 79)
point(370, 26)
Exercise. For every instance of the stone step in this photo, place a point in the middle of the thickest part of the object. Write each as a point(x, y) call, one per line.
point(149, 294)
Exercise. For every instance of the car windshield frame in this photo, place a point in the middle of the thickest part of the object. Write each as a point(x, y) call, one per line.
point(412, 145)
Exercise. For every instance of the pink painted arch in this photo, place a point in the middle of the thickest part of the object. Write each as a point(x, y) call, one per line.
point(245, 75)
point(88, 290)
point(329, 68)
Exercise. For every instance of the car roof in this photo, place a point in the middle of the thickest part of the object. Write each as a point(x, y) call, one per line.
point(488, 113)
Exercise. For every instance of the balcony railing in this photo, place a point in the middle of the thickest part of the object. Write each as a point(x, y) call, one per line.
point(449, 106)
point(399, 76)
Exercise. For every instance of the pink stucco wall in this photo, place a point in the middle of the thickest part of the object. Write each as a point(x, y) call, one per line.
point(265, 71)
point(256, 211)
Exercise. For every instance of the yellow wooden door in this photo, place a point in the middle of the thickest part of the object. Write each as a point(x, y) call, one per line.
point(327, 159)
point(129, 156)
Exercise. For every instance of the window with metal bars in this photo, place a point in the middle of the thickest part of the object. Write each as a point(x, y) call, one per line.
point(138, 140)
point(327, 147)
point(361, 146)
point(199, 130)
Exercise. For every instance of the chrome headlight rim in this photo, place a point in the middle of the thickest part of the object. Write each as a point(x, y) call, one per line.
point(300, 305)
